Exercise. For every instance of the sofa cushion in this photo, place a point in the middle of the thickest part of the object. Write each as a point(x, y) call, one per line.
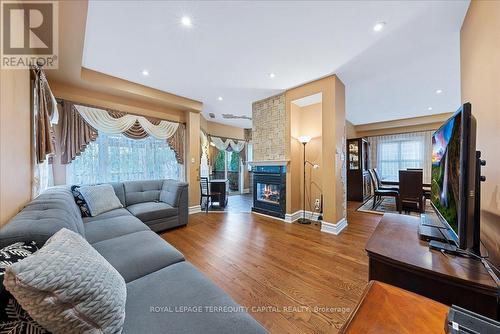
point(13, 318)
point(100, 198)
point(67, 287)
point(152, 301)
point(80, 201)
point(104, 229)
point(142, 191)
point(110, 214)
point(137, 254)
point(51, 211)
point(152, 210)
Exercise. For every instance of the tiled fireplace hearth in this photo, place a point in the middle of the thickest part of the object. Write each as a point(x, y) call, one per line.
point(269, 196)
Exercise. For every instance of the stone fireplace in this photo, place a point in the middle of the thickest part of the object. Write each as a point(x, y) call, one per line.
point(269, 196)
point(270, 135)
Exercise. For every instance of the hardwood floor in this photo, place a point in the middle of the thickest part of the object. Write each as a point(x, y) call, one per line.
point(293, 278)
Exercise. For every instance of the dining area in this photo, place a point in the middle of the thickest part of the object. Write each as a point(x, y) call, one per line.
point(409, 191)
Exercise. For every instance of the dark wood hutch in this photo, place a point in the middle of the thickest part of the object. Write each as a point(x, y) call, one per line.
point(359, 186)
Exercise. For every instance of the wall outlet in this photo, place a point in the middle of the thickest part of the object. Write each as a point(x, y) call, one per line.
point(317, 204)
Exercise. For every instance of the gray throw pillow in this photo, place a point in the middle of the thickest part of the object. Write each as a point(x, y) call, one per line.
point(100, 198)
point(68, 287)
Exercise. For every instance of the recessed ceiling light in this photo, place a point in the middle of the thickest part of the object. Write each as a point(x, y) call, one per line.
point(430, 108)
point(186, 21)
point(379, 26)
point(220, 98)
point(272, 75)
point(145, 72)
point(439, 91)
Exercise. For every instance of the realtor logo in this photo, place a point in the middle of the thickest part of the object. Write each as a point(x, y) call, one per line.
point(29, 34)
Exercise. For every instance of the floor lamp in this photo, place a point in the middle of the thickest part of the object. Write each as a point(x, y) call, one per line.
point(304, 140)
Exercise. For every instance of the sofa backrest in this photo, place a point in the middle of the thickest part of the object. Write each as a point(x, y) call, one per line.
point(119, 191)
point(173, 192)
point(52, 210)
point(142, 191)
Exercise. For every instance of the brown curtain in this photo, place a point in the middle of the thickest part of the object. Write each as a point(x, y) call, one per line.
point(76, 134)
point(176, 143)
point(43, 109)
point(248, 134)
point(243, 154)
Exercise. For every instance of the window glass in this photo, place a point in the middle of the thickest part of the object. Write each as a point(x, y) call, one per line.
point(398, 155)
point(116, 158)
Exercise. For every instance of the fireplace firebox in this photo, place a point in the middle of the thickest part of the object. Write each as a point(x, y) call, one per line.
point(269, 196)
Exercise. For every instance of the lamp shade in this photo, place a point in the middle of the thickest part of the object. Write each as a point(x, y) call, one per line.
point(304, 139)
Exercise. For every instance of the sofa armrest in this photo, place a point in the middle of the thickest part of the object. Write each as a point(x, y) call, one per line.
point(174, 193)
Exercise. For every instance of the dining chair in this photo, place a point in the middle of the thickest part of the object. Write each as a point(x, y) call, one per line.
point(411, 193)
point(381, 184)
point(206, 193)
point(379, 192)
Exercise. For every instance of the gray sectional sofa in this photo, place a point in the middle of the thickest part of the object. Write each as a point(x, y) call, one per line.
point(165, 293)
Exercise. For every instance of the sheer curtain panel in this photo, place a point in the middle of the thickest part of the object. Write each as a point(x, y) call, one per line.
point(391, 153)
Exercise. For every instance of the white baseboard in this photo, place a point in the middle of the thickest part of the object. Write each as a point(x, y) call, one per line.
point(267, 216)
point(334, 228)
point(290, 218)
point(194, 209)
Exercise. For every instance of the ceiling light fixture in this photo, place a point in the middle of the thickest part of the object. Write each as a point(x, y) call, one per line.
point(186, 21)
point(145, 72)
point(379, 26)
point(439, 91)
point(430, 108)
point(272, 75)
point(220, 98)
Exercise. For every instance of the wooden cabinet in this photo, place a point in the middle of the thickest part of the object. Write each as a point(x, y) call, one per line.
point(398, 257)
point(359, 185)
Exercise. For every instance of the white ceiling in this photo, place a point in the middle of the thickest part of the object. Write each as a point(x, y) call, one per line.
point(233, 46)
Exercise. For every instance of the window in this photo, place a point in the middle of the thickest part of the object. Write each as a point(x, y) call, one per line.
point(115, 158)
point(392, 153)
point(398, 155)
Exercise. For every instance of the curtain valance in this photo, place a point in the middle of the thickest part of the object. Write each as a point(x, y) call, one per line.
point(102, 120)
point(228, 144)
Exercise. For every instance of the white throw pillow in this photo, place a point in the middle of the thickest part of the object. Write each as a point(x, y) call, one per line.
point(100, 198)
point(68, 287)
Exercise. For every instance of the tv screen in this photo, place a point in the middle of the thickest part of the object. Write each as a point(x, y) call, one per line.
point(445, 176)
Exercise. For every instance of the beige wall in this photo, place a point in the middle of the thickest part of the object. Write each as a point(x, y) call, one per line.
point(15, 143)
point(221, 130)
point(306, 121)
point(405, 125)
point(193, 157)
point(333, 132)
point(350, 130)
point(480, 71)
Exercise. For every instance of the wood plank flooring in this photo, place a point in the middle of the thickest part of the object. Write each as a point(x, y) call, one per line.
point(293, 278)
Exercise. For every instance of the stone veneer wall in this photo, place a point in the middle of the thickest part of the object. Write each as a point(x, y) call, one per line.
point(270, 131)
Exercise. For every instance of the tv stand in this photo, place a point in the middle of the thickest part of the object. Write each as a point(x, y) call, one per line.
point(397, 256)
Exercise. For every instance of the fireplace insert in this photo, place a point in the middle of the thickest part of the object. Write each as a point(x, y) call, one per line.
point(269, 196)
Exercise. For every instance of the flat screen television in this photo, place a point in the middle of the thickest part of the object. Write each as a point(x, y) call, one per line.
point(453, 175)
